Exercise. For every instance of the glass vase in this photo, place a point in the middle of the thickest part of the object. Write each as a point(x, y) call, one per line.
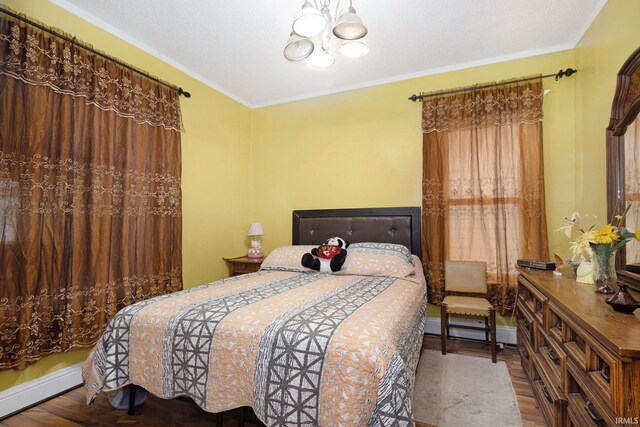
point(604, 270)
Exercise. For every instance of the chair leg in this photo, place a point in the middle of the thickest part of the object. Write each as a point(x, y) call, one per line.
point(492, 314)
point(486, 329)
point(444, 327)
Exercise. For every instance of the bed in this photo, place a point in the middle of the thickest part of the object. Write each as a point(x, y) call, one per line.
point(298, 346)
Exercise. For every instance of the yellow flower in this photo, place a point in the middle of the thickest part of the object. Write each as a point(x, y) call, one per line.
point(638, 234)
point(606, 235)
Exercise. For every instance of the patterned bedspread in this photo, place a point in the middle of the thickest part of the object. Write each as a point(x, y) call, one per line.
point(301, 348)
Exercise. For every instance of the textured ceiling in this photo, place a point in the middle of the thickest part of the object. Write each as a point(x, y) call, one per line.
point(236, 46)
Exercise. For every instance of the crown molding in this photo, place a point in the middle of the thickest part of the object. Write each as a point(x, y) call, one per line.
point(594, 14)
point(73, 9)
point(423, 73)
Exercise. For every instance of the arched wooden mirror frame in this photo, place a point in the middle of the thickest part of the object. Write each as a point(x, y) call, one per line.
point(625, 109)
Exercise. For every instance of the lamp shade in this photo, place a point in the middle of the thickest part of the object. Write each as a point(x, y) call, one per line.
point(350, 26)
point(255, 229)
point(297, 48)
point(321, 58)
point(309, 21)
point(354, 48)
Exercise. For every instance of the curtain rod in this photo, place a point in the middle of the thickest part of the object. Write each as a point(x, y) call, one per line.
point(560, 74)
point(96, 52)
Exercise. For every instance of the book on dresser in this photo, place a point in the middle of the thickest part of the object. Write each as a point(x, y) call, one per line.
point(581, 357)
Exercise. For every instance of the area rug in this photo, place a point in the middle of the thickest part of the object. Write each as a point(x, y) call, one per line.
point(457, 390)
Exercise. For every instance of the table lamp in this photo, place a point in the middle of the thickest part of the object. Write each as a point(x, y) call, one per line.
point(255, 231)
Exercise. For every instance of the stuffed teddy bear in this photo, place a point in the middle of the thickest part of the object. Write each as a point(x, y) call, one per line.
point(327, 257)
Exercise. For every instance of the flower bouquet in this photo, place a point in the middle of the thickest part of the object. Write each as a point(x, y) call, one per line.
point(599, 246)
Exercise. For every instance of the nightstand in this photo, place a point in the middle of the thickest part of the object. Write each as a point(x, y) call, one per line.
point(243, 265)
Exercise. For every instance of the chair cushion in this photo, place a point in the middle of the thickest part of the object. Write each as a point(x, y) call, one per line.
point(467, 305)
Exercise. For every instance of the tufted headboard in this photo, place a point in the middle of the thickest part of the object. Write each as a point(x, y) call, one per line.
point(384, 225)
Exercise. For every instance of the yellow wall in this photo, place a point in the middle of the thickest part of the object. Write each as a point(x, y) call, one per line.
point(606, 45)
point(364, 148)
point(215, 165)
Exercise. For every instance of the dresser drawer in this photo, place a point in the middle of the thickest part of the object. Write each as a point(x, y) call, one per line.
point(532, 299)
point(597, 366)
point(586, 406)
point(526, 325)
point(580, 412)
point(602, 368)
point(551, 401)
point(555, 324)
point(555, 358)
point(574, 341)
point(526, 353)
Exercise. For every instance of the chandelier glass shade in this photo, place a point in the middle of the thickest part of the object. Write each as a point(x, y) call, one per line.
point(350, 26)
point(354, 48)
point(314, 27)
point(298, 48)
point(309, 21)
point(321, 58)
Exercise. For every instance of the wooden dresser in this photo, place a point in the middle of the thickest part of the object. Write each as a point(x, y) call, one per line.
point(581, 357)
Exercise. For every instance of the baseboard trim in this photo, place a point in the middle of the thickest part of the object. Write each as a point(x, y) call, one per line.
point(23, 396)
point(504, 334)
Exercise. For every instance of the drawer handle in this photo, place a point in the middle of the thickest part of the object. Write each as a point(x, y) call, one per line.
point(526, 353)
point(553, 356)
point(546, 393)
point(605, 372)
point(526, 323)
point(559, 324)
point(594, 416)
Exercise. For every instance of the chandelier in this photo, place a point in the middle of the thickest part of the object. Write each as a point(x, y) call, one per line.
point(312, 30)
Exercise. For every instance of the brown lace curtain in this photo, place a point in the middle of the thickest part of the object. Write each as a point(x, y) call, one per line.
point(483, 184)
point(90, 198)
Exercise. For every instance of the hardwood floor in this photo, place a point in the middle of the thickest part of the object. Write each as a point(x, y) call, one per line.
point(70, 409)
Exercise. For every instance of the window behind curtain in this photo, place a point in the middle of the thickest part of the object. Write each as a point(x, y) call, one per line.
point(483, 187)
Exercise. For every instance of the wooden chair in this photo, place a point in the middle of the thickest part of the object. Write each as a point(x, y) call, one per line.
point(467, 277)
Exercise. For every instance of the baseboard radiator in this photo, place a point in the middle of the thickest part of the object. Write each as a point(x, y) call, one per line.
point(22, 396)
point(504, 334)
